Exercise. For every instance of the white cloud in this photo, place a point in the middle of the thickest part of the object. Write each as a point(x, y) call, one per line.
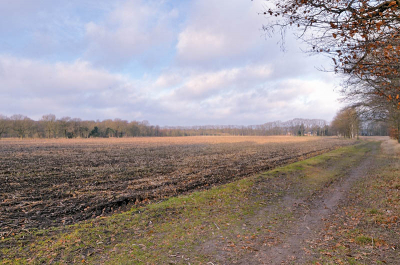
point(247, 95)
point(241, 95)
point(220, 30)
point(62, 88)
point(132, 28)
point(168, 80)
point(202, 85)
point(36, 78)
point(195, 45)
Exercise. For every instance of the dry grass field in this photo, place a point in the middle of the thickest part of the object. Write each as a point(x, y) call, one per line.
point(55, 182)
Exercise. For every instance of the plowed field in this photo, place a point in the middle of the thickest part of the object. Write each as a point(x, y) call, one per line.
point(54, 182)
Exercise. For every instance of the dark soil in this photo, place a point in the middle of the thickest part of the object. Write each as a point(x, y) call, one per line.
point(62, 182)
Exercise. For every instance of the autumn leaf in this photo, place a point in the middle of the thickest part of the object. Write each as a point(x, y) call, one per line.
point(379, 24)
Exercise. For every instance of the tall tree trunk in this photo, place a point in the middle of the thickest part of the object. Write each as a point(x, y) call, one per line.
point(398, 130)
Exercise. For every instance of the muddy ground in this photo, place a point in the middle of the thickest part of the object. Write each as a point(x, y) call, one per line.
point(51, 183)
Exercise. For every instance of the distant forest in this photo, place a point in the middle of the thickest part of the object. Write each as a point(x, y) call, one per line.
point(50, 127)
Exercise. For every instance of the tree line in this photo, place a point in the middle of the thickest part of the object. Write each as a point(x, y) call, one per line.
point(50, 127)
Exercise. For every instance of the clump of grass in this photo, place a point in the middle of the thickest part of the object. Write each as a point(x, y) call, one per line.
point(373, 211)
point(363, 240)
point(352, 261)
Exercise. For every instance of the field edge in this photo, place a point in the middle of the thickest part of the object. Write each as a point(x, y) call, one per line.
point(222, 223)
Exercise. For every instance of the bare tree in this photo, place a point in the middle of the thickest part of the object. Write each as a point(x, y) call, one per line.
point(4, 124)
point(63, 126)
point(362, 37)
point(347, 123)
point(374, 108)
point(49, 122)
point(120, 127)
point(20, 124)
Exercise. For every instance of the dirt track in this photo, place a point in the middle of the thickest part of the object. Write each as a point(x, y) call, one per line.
point(312, 216)
point(50, 183)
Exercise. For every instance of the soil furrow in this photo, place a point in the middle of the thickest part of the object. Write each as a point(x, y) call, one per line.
point(61, 182)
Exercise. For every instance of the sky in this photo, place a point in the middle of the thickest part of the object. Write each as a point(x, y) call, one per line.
point(170, 62)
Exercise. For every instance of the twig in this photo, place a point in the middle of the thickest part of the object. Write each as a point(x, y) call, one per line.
point(216, 226)
point(26, 230)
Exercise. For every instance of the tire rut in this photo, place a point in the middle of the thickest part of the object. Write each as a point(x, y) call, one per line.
point(310, 220)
